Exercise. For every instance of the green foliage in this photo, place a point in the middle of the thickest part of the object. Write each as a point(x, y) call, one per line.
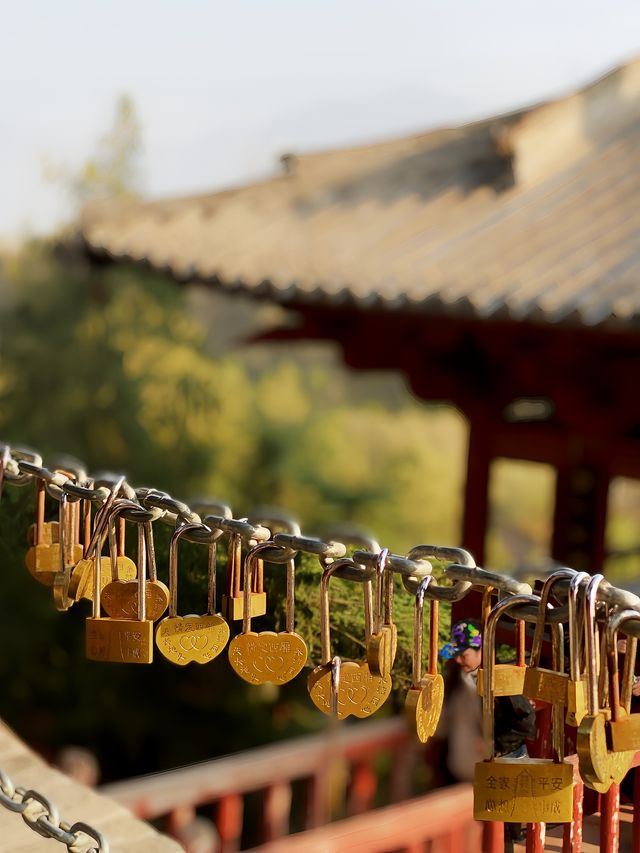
point(110, 365)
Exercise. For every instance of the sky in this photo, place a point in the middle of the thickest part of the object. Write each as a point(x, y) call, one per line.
point(222, 89)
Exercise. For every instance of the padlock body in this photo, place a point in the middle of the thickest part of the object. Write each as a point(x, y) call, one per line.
point(546, 685)
point(625, 733)
point(119, 640)
point(233, 606)
point(576, 702)
point(530, 790)
point(381, 650)
point(264, 657)
point(81, 581)
point(43, 561)
point(600, 766)
point(360, 693)
point(50, 533)
point(423, 706)
point(508, 679)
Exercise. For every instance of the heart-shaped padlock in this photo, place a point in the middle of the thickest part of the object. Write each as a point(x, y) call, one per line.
point(423, 704)
point(192, 638)
point(360, 692)
point(120, 596)
point(267, 656)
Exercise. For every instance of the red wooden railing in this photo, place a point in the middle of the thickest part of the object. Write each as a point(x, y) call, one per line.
point(338, 775)
point(346, 759)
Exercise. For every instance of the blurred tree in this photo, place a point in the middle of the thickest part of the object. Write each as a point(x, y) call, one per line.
point(110, 365)
point(113, 170)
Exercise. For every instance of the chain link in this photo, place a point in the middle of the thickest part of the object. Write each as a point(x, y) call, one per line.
point(41, 815)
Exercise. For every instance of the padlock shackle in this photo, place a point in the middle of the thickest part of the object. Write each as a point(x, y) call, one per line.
point(117, 550)
point(488, 662)
point(575, 584)
point(557, 710)
point(614, 624)
point(382, 604)
point(100, 531)
point(418, 634)
point(250, 564)
point(336, 663)
point(62, 577)
point(40, 506)
point(545, 594)
point(178, 533)
point(590, 598)
point(325, 628)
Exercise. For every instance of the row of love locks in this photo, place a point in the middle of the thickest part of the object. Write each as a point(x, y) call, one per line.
point(580, 614)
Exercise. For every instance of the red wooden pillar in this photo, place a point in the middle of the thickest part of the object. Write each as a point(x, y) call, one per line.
point(229, 822)
point(492, 837)
point(572, 832)
point(476, 492)
point(610, 820)
point(580, 512)
point(364, 783)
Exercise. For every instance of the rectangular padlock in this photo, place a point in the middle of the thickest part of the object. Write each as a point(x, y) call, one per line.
point(508, 679)
point(546, 685)
point(535, 790)
point(119, 640)
point(625, 733)
point(518, 790)
point(233, 605)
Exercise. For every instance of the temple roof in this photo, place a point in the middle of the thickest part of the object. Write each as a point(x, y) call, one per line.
point(532, 215)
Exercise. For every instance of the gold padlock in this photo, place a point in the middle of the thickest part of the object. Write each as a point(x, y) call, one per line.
point(49, 536)
point(360, 693)
point(268, 656)
point(542, 683)
point(233, 597)
point(120, 596)
point(624, 727)
point(382, 645)
point(508, 678)
point(599, 766)
point(517, 790)
point(119, 640)
point(423, 704)
point(43, 557)
point(116, 567)
point(193, 638)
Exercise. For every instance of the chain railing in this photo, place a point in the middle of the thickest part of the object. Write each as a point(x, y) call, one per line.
point(41, 815)
point(20, 466)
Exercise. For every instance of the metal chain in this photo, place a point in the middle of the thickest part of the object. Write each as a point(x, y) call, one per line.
point(19, 466)
point(41, 815)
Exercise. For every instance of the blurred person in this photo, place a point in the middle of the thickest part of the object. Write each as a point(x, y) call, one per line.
point(460, 726)
point(80, 764)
